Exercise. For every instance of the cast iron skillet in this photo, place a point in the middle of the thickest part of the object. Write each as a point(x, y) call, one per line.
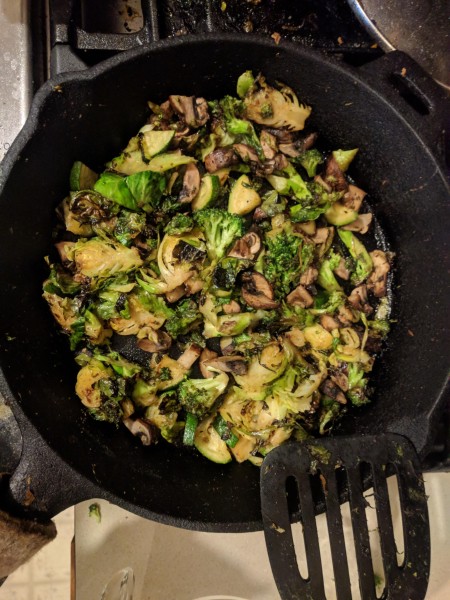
point(68, 457)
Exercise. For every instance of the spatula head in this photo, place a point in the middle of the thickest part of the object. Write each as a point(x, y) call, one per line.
point(343, 467)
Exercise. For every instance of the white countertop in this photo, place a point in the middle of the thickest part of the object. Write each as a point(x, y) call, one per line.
point(175, 564)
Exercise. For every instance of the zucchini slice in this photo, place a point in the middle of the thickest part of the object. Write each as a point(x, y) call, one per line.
point(82, 177)
point(154, 142)
point(170, 160)
point(243, 198)
point(209, 189)
point(339, 214)
point(209, 443)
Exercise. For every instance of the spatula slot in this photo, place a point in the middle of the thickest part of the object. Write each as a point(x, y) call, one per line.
point(397, 517)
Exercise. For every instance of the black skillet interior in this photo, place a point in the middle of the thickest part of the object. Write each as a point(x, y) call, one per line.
point(89, 116)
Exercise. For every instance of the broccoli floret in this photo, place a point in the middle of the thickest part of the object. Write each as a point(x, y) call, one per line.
point(357, 384)
point(232, 112)
point(221, 228)
point(110, 411)
point(363, 260)
point(326, 303)
point(198, 395)
point(225, 274)
point(183, 318)
point(282, 260)
point(179, 224)
point(326, 277)
point(310, 160)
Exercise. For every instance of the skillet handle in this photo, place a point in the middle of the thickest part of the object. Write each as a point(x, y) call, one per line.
point(423, 103)
point(42, 484)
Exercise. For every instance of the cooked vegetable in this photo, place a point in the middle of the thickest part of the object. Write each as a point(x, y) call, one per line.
point(226, 246)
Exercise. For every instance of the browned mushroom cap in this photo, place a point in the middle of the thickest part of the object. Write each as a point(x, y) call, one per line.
point(328, 322)
point(377, 280)
point(331, 389)
point(226, 345)
point(246, 247)
point(268, 144)
point(342, 271)
point(143, 429)
point(353, 197)
point(193, 110)
point(361, 224)
point(309, 276)
point(219, 159)
point(259, 214)
point(334, 176)
point(346, 316)
point(206, 356)
point(246, 153)
point(300, 297)
point(161, 343)
point(228, 364)
point(232, 308)
point(257, 291)
point(358, 299)
point(191, 184)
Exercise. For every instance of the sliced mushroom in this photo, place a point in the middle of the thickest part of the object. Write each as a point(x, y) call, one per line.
point(176, 294)
point(346, 316)
point(226, 345)
point(194, 111)
point(189, 356)
point(330, 389)
point(377, 281)
point(191, 184)
point(358, 299)
point(201, 111)
point(307, 142)
point(232, 308)
point(326, 186)
point(206, 356)
point(268, 144)
point(334, 176)
point(161, 342)
point(229, 364)
point(321, 235)
point(296, 337)
point(300, 297)
point(166, 110)
point(361, 224)
point(308, 227)
point(219, 159)
point(143, 429)
point(193, 285)
point(246, 153)
point(340, 379)
point(290, 150)
point(342, 271)
point(309, 276)
point(328, 323)
point(282, 135)
point(353, 197)
point(257, 291)
point(184, 107)
point(246, 247)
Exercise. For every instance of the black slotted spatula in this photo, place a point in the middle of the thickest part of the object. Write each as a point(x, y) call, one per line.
point(361, 462)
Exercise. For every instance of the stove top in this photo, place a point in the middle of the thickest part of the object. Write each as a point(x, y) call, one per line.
point(43, 38)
